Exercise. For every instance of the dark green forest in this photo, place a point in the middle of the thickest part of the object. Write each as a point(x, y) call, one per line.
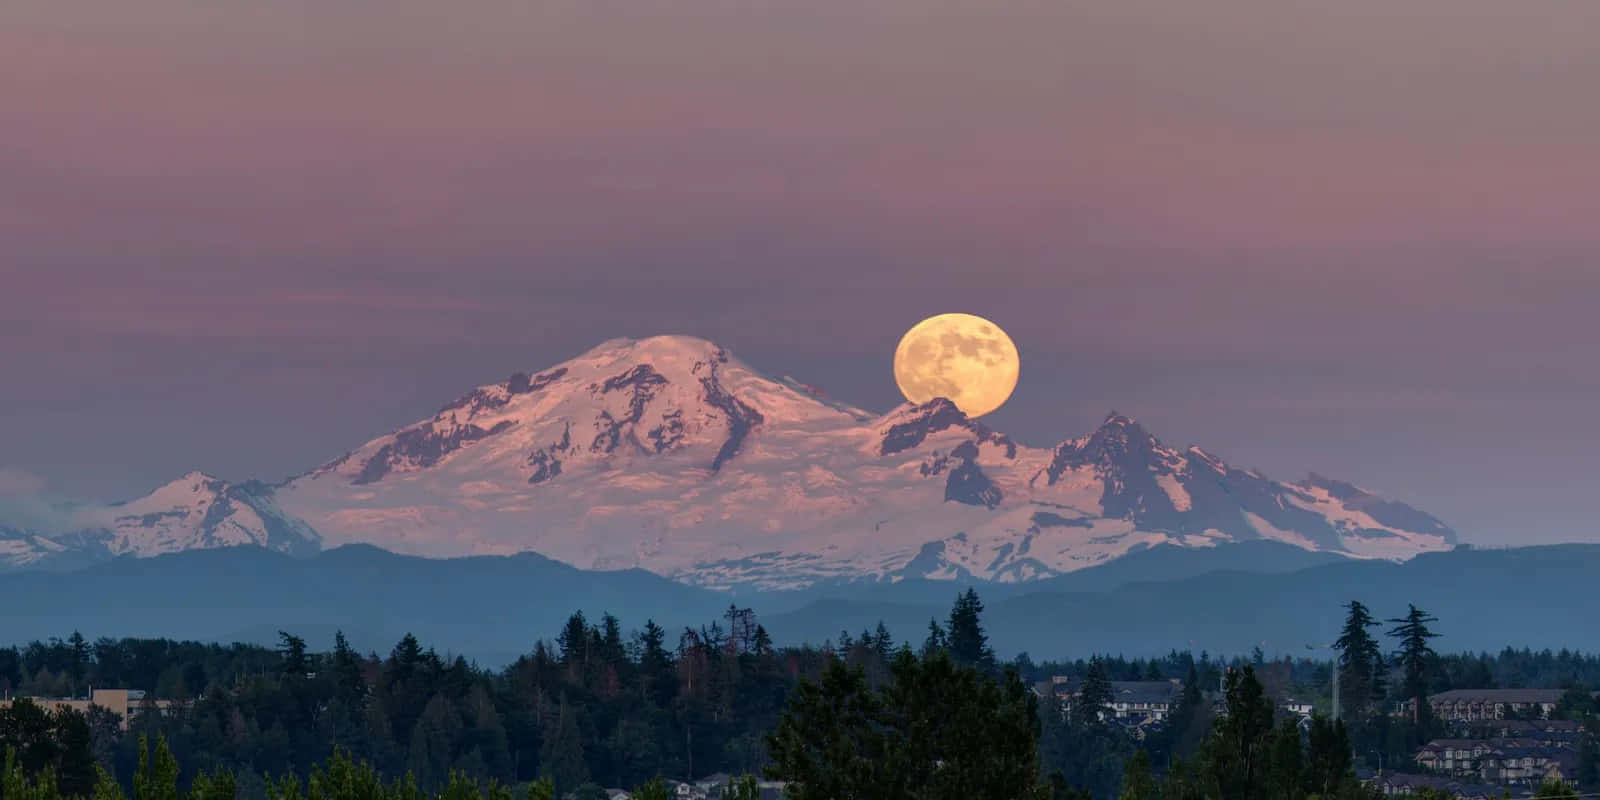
point(600, 707)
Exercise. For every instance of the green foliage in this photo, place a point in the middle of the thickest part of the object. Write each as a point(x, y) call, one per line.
point(1094, 697)
point(741, 788)
point(15, 785)
point(1556, 790)
point(157, 777)
point(964, 638)
point(542, 789)
point(653, 789)
point(1414, 655)
point(1137, 782)
point(562, 755)
point(1360, 665)
point(589, 791)
point(937, 730)
point(1248, 757)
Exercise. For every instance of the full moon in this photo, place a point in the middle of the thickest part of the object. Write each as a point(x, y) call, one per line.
point(965, 359)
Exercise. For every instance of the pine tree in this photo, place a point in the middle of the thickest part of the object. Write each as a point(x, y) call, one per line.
point(75, 764)
point(1360, 664)
point(574, 640)
point(1094, 696)
point(1137, 783)
point(431, 753)
point(1237, 757)
point(882, 642)
point(348, 681)
point(937, 731)
point(561, 759)
point(78, 666)
point(292, 650)
point(1415, 657)
point(612, 653)
point(936, 639)
point(157, 776)
point(968, 644)
point(1328, 756)
point(658, 675)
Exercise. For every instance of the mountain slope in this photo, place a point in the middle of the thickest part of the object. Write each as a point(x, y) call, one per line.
point(671, 455)
point(194, 512)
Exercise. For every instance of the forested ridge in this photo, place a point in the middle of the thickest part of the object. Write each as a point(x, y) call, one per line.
point(600, 707)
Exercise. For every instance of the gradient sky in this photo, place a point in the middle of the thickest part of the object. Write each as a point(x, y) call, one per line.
point(1359, 237)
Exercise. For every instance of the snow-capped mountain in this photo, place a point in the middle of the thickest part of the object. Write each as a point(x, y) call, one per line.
point(671, 455)
point(193, 512)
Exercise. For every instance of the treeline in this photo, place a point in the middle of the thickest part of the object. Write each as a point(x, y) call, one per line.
point(598, 706)
point(595, 706)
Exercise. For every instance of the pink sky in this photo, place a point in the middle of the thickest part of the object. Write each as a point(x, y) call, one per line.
point(1353, 237)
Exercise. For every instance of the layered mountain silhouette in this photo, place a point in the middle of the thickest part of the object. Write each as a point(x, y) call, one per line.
point(1226, 600)
point(670, 455)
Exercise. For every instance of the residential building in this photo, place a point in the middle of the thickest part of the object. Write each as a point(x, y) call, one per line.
point(1399, 784)
point(1132, 702)
point(1483, 704)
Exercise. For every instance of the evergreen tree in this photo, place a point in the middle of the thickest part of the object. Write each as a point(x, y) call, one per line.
point(574, 640)
point(1328, 756)
point(612, 652)
point(432, 750)
point(1414, 656)
point(1237, 755)
point(292, 649)
point(1360, 664)
point(561, 759)
point(1094, 697)
point(1285, 769)
point(29, 730)
point(936, 639)
point(346, 667)
point(966, 641)
point(1137, 783)
point(656, 670)
point(882, 642)
point(78, 666)
point(75, 764)
point(157, 776)
point(937, 731)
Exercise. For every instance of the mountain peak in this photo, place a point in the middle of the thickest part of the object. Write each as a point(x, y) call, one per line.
point(670, 454)
point(1117, 420)
point(909, 424)
point(665, 348)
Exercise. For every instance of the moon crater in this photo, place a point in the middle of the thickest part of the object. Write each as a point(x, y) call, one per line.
point(965, 359)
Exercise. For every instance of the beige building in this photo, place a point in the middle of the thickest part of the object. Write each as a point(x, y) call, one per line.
point(1470, 705)
point(117, 701)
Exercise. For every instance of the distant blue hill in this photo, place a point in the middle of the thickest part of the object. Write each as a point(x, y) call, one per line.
point(488, 608)
point(1539, 597)
point(495, 608)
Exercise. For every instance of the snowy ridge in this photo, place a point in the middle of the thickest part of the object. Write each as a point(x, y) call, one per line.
point(196, 511)
point(669, 454)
